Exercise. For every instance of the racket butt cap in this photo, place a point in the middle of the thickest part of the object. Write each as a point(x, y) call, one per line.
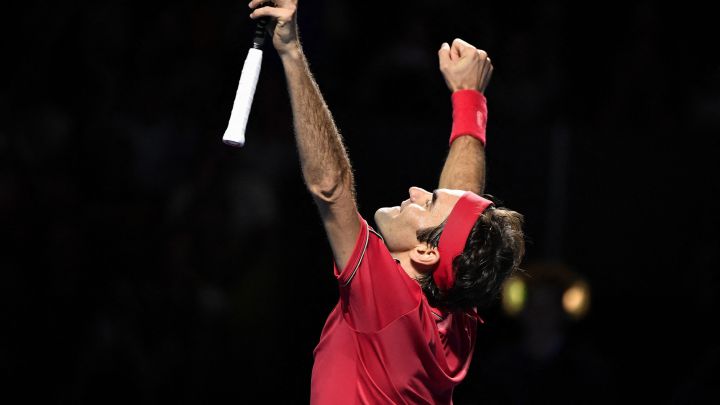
point(235, 144)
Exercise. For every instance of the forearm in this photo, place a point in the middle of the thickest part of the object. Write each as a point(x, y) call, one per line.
point(464, 168)
point(325, 165)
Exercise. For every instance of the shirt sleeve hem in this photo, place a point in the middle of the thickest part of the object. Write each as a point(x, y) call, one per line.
point(345, 276)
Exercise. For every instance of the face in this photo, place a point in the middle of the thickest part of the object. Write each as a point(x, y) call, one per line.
point(424, 209)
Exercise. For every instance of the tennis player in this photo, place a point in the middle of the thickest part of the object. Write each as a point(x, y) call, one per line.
point(403, 330)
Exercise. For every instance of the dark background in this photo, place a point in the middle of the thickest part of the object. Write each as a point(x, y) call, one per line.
point(146, 262)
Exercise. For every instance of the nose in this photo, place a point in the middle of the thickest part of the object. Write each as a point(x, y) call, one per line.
point(416, 193)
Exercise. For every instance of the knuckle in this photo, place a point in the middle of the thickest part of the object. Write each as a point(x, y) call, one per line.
point(457, 42)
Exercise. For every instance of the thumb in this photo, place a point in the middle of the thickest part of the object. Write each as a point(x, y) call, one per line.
point(444, 53)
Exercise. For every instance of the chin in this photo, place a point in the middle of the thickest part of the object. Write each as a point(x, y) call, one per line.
point(379, 218)
point(384, 218)
point(383, 215)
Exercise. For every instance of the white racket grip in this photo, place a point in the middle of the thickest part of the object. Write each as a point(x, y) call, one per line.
point(235, 132)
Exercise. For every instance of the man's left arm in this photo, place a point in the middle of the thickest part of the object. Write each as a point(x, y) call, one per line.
point(465, 67)
point(464, 167)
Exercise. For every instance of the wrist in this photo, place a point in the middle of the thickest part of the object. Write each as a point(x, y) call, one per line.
point(462, 87)
point(469, 114)
point(292, 51)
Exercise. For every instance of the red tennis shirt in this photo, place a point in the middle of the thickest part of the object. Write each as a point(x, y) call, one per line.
point(383, 343)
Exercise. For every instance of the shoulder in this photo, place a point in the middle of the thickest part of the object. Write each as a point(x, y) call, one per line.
point(369, 249)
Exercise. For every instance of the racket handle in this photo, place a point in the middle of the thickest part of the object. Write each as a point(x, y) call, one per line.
point(235, 132)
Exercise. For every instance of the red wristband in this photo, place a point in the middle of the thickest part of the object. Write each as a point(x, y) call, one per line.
point(469, 114)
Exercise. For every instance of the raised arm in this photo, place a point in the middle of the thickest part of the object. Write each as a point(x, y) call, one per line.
point(464, 67)
point(325, 165)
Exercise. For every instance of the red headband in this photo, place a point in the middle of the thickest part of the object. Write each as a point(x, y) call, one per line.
point(459, 223)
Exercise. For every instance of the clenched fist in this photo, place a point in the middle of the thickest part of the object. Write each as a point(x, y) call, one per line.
point(283, 23)
point(464, 67)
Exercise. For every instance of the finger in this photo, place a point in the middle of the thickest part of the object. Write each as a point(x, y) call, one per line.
point(454, 52)
point(484, 62)
point(273, 3)
point(487, 81)
point(462, 48)
point(276, 12)
point(460, 42)
point(483, 68)
point(256, 3)
point(444, 54)
point(480, 72)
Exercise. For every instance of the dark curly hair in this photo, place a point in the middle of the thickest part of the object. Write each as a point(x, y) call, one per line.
point(493, 251)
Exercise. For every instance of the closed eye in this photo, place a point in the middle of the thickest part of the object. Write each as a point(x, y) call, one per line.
point(434, 198)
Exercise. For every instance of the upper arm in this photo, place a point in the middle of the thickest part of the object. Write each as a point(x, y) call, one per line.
point(338, 211)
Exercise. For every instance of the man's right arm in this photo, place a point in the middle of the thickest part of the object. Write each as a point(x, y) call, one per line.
point(325, 165)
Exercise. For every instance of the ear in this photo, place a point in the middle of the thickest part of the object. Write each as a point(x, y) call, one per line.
point(424, 255)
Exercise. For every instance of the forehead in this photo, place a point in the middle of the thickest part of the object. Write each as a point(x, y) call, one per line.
point(446, 199)
point(450, 192)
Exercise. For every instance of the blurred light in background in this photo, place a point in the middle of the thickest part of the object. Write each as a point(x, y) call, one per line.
point(514, 295)
point(576, 299)
point(573, 290)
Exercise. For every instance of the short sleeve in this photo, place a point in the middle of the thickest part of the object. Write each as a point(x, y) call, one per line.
point(346, 275)
point(374, 288)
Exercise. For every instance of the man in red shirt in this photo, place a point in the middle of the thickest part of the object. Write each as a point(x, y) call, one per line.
point(403, 330)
